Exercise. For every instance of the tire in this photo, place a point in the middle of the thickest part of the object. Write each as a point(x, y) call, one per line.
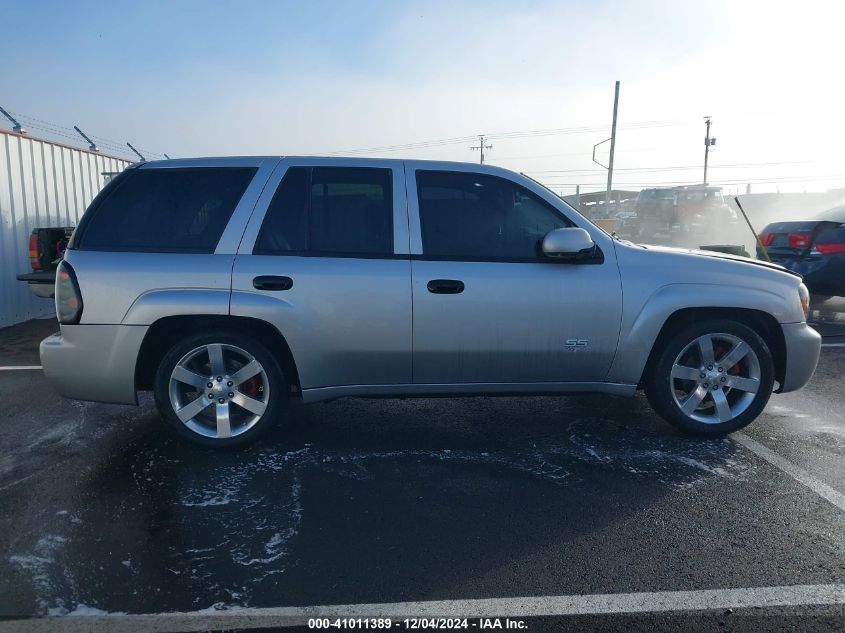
point(253, 402)
point(667, 389)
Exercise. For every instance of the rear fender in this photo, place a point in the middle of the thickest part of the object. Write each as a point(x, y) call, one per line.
point(158, 304)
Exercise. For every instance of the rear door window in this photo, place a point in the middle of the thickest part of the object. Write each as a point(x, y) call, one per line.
point(330, 212)
point(165, 210)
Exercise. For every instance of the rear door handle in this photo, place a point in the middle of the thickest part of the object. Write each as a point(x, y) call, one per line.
point(272, 282)
point(445, 286)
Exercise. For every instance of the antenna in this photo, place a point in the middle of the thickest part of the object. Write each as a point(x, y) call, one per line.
point(140, 155)
point(16, 127)
point(167, 157)
point(91, 145)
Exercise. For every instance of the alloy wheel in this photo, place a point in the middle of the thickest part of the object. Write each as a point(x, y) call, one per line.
point(715, 378)
point(219, 390)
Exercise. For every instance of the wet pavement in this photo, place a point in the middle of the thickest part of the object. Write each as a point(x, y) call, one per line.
point(375, 501)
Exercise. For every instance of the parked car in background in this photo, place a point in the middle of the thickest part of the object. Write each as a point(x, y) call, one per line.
point(229, 286)
point(681, 216)
point(46, 248)
point(654, 213)
point(814, 248)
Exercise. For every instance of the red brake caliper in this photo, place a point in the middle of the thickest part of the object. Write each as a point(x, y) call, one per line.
point(250, 387)
point(719, 353)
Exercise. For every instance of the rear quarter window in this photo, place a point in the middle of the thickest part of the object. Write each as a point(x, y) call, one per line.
point(164, 210)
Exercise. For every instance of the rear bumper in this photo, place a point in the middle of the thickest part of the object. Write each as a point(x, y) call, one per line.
point(824, 275)
point(803, 345)
point(94, 362)
point(48, 277)
point(42, 283)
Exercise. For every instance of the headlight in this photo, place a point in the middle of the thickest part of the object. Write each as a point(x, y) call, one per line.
point(804, 297)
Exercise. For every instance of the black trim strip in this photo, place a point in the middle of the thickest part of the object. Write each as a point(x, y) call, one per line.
point(594, 259)
point(597, 259)
point(332, 255)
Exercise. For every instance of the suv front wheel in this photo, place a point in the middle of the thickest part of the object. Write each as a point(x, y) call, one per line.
point(712, 378)
point(220, 389)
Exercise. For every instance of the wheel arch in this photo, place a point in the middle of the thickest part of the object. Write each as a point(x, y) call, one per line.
point(760, 321)
point(164, 332)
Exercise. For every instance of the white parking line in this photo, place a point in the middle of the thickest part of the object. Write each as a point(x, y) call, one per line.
point(796, 472)
point(596, 604)
point(833, 344)
point(20, 367)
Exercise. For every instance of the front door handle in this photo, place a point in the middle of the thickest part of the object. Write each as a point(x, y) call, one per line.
point(445, 286)
point(272, 282)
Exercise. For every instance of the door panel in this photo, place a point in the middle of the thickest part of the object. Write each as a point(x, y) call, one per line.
point(487, 309)
point(322, 270)
point(347, 321)
point(512, 322)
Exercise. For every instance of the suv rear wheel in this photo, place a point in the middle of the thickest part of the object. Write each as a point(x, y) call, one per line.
point(220, 389)
point(712, 378)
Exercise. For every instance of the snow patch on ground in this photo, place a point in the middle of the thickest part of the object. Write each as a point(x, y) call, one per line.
point(37, 564)
point(85, 610)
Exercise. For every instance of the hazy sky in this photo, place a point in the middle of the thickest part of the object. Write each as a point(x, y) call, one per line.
point(210, 78)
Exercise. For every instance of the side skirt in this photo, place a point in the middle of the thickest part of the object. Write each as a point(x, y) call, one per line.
point(319, 394)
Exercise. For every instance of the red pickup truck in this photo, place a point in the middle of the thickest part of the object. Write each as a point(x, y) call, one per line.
point(46, 248)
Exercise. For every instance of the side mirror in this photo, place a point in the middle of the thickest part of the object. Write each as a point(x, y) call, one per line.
point(571, 243)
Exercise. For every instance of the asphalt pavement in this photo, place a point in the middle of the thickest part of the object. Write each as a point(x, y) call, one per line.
point(577, 506)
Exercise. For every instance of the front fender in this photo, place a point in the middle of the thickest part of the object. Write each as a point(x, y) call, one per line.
point(640, 332)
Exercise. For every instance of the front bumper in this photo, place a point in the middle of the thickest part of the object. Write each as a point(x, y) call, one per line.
point(94, 362)
point(803, 345)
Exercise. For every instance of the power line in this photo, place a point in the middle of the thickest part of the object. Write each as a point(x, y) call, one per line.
point(558, 155)
point(674, 167)
point(762, 181)
point(66, 133)
point(457, 140)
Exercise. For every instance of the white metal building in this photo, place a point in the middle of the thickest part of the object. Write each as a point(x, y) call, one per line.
point(42, 184)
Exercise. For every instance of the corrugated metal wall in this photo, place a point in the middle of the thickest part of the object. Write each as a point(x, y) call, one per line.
point(42, 184)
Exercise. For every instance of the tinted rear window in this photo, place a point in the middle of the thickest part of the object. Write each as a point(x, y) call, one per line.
point(165, 210)
point(330, 212)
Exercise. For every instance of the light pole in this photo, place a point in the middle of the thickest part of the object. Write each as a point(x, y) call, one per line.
point(708, 143)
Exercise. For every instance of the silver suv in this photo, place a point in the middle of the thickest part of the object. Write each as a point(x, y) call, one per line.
point(229, 286)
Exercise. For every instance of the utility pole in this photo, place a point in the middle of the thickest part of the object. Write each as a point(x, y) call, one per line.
point(708, 143)
point(481, 147)
point(578, 198)
point(612, 150)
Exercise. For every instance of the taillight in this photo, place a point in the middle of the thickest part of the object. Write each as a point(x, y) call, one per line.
point(34, 258)
point(830, 249)
point(68, 297)
point(766, 239)
point(799, 240)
